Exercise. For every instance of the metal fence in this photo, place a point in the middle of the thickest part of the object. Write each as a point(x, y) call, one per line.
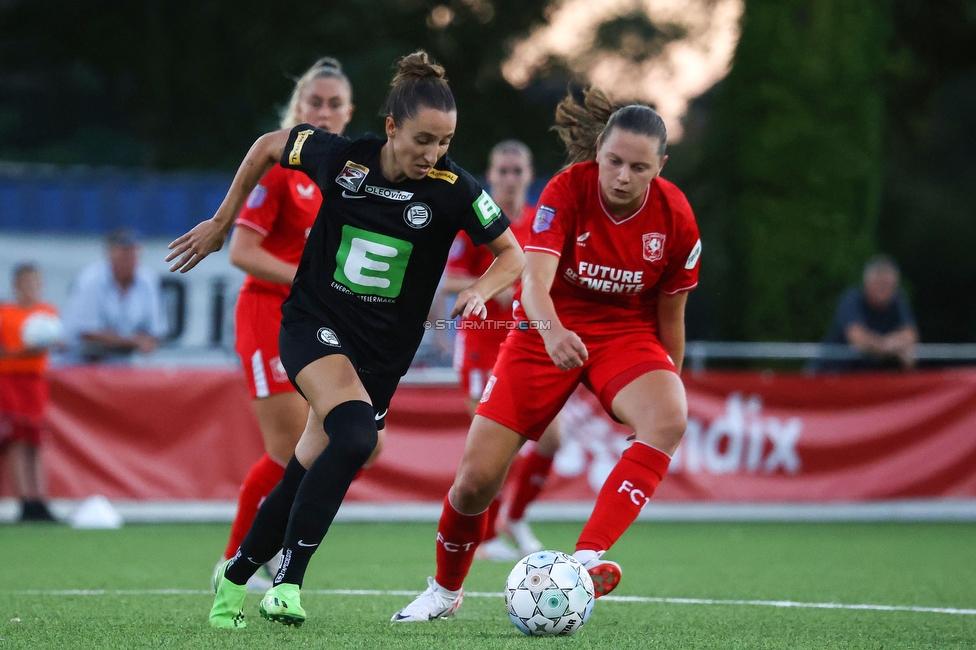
point(698, 354)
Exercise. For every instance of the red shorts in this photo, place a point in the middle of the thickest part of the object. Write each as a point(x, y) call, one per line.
point(527, 390)
point(23, 402)
point(474, 359)
point(257, 321)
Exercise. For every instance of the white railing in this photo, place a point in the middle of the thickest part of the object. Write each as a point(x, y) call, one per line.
point(698, 353)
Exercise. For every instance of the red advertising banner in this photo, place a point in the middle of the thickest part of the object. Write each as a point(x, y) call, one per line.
point(190, 434)
point(753, 437)
point(129, 433)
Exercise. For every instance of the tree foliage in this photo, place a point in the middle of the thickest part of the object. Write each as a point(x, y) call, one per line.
point(166, 84)
point(840, 132)
point(790, 169)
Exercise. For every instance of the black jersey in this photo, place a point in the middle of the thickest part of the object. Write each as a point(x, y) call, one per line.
point(377, 249)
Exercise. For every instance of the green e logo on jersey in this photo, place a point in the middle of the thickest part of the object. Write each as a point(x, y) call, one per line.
point(486, 209)
point(371, 264)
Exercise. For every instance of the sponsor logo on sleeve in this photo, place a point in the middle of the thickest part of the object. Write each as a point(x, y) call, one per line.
point(653, 246)
point(295, 157)
point(417, 215)
point(387, 193)
point(543, 218)
point(693, 256)
point(442, 175)
point(257, 196)
point(352, 176)
point(306, 191)
point(486, 209)
point(327, 337)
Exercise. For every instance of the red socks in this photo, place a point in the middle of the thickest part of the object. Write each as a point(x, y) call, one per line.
point(629, 486)
point(457, 538)
point(260, 480)
point(491, 530)
point(532, 474)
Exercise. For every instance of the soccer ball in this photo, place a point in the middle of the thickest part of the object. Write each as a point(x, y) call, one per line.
point(549, 593)
point(41, 330)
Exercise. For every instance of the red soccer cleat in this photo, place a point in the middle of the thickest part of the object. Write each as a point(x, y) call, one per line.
point(605, 575)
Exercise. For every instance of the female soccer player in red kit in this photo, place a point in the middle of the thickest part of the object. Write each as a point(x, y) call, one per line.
point(267, 244)
point(613, 253)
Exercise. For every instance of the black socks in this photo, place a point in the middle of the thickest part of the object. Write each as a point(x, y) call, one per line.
point(267, 530)
point(351, 428)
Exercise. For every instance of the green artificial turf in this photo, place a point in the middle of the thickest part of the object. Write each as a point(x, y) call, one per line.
point(809, 564)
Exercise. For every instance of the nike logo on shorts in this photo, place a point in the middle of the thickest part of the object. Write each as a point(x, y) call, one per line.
point(301, 543)
point(380, 416)
point(347, 195)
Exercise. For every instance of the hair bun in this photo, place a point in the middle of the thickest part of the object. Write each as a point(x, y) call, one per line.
point(418, 65)
point(328, 62)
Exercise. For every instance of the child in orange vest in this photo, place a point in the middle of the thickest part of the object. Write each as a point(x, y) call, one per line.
point(28, 329)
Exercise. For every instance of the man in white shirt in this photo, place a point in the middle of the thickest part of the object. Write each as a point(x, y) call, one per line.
point(115, 308)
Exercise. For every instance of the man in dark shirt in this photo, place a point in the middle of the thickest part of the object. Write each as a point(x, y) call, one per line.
point(875, 319)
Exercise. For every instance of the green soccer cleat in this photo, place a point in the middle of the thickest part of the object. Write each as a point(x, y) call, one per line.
point(282, 604)
point(228, 606)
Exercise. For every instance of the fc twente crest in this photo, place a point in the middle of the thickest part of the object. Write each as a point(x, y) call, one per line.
point(653, 246)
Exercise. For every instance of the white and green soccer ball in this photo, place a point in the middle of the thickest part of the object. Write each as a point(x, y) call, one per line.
point(549, 593)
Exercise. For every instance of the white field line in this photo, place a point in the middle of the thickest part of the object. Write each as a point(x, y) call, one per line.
point(486, 594)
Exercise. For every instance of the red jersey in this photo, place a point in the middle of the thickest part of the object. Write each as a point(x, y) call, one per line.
point(612, 269)
point(281, 207)
point(467, 259)
point(12, 319)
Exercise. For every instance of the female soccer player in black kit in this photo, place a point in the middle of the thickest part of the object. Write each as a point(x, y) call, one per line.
point(354, 319)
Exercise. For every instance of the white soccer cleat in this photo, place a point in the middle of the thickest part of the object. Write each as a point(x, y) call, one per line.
point(521, 532)
point(496, 550)
point(435, 602)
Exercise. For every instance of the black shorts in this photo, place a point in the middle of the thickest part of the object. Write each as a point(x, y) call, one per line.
point(305, 338)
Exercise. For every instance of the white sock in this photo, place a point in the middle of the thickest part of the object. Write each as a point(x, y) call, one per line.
point(446, 592)
point(587, 556)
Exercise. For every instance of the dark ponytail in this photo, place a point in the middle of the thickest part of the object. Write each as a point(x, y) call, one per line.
point(419, 83)
point(579, 125)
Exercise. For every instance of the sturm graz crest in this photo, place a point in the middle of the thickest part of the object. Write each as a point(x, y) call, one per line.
point(417, 215)
point(328, 337)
